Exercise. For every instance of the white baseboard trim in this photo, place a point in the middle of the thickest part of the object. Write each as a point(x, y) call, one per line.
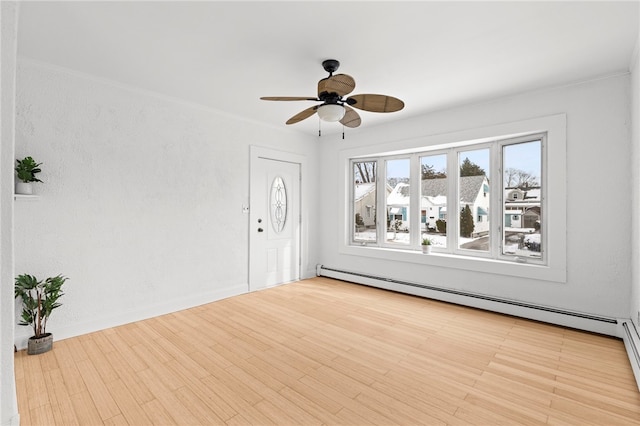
point(631, 339)
point(578, 320)
point(120, 318)
point(622, 328)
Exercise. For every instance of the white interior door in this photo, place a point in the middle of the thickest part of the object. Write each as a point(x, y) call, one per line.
point(274, 227)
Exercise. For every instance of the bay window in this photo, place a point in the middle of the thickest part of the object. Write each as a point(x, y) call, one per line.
point(492, 199)
point(492, 207)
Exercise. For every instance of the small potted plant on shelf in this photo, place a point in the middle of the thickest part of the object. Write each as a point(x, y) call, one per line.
point(26, 170)
point(426, 245)
point(39, 299)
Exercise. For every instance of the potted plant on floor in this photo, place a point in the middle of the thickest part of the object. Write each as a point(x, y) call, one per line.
point(26, 170)
point(39, 299)
point(426, 245)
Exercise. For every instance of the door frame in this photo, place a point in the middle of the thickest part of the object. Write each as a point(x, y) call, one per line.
point(259, 152)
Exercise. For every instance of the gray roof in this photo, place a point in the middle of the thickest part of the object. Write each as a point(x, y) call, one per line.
point(469, 187)
point(434, 187)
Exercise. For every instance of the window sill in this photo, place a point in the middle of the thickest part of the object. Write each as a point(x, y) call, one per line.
point(449, 260)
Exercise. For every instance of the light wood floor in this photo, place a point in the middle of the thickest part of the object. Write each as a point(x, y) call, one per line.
point(321, 351)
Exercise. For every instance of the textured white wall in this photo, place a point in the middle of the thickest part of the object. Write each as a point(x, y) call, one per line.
point(141, 205)
point(598, 180)
point(8, 38)
point(635, 169)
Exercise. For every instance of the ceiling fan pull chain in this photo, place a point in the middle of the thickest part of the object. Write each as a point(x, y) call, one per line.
point(343, 132)
point(319, 127)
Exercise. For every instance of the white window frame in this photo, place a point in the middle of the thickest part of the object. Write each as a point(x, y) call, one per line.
point(383, 216)
point(352, 213)
point(457, 206)
point(543, 184)
point(554, 211)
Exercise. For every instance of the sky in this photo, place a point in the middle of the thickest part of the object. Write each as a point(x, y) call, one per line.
point(523, 156)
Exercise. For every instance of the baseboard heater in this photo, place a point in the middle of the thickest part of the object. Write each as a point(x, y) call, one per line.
point(631, 340)
point(579, 320)
point(621, 328)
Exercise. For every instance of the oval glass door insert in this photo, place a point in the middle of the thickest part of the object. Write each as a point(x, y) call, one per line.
point(278, 204)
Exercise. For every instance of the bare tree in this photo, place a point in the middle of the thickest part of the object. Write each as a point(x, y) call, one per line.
point(365, 171)
point(516, 178)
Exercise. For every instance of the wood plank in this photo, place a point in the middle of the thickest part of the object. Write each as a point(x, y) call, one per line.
point(22, 394)
point(118, 420)
point(280, 410)
point(158, 414)
point(200, 410)
point(314, 409)
point(322, 351)
point(129, 407)
point(99, 361)
point(61, 404)
point(35, 382)
point(42, 415)
point(166, 397)
point(215, 403)
point(136, 363)
point(102, 399)
point(127, 374)
point(85, 409)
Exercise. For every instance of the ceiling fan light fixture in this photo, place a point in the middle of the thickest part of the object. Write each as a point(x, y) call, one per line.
point(331, 112)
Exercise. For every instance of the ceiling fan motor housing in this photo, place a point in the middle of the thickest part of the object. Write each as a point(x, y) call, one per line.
point(331, 65)
point(330, 98)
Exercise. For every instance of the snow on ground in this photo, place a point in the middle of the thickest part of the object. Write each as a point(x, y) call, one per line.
point(402, 238)
point(440, 240)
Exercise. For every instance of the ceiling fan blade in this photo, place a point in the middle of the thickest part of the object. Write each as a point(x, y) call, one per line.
point(342, 84)
point(288, 98)
point(375, 103)
point(302, 115)
point(351, 118)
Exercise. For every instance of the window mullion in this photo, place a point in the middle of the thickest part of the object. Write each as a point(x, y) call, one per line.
point(453, 202)
point(381, 201)
point(414, 202)
point(496, 215)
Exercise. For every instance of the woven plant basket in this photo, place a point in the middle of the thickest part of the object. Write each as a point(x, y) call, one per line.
point(40, 345)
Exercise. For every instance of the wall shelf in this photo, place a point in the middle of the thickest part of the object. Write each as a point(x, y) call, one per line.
point(25, 197)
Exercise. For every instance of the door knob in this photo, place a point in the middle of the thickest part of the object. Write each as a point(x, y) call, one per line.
point(260, 229)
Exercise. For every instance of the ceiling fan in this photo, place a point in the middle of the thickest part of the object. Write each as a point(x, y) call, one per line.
point(334, 107)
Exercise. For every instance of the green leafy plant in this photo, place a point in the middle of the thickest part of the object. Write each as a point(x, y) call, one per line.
point(39, 299)
point(26, 170)
point(426, 242)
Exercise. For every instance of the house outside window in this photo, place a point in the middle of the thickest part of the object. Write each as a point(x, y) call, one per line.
point(474, 173)
point(397, 173)
point(522, 235)
point(473, 230)
point(434, 192)
point(364, 196)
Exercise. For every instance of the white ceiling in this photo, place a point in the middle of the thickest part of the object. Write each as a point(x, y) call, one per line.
point(432, 55)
